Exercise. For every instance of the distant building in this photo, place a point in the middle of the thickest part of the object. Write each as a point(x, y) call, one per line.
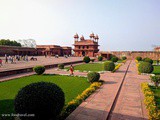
point(14, 50)
point(86, 47)
point(157, 49)
point(53, 50)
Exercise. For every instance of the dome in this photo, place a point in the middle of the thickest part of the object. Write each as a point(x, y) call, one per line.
point(91, 35)
point(82, 37)
point(96, 37)
point(76, 36)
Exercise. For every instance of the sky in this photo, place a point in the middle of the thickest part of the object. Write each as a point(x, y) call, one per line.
point(122, 25)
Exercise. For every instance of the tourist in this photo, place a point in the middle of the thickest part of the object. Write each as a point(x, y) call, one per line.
point(26, 58)
point(0, 62)
point(71, 70)
point(157, 62)
point(6, 58)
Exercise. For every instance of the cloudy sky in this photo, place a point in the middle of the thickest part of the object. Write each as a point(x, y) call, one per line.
point(120, 24)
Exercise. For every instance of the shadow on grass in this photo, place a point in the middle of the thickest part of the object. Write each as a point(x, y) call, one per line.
point(6, 107)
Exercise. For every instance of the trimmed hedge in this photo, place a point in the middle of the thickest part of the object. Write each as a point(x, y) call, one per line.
point(156, 80)
point(124, 58)
point(93, 77)
point(148, 60)
point(145, 67)
point(109, 66)
point(114, 59)
point(43, 99)
point(139, 58)
point(86, 59)
point(39, 69)
point(61, 66)
point(100, 58)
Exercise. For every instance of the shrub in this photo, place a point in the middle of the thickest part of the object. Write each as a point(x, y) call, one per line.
point(156, 80)
point(145, 67)
point(114, 59)
point(148, 60)
point(92, 60)
point(93, 77)
point(100, 58)
point(124, 58)
point(139, 58)
point(39, 69)
point(61, 66)
point(109, 66)
point(86, 59)
point(43, 99)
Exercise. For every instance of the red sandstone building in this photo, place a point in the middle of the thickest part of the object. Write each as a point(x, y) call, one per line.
point(53, 50)
point(157, 49)
point(86, 47)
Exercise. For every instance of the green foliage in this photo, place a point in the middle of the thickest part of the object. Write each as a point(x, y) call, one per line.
point(145, 67)
point(39, 69)
point(92, 60)
point(100, 58)
point(139, 58)
point(86, 59)
point(124, 58)
point(148, 60)
point(9, 43)
point(156, 80)
point(109, 66)
point(43, 99)
point(61, 66)
point(93, 77)
point(114, 59)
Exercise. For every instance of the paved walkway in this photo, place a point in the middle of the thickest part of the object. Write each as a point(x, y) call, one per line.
point(130, 102)
point(129, 105)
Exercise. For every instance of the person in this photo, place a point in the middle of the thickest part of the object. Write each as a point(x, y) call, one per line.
point(0, 62)
point(157, 62)
point(71, 70)
point(6, 58)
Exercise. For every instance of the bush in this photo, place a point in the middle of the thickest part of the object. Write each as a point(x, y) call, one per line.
point(100, 58)
point(39, 69)
point(148, 60)
point(109, 66)
point(92, 60)
point(61, 66)
point(86, 59)
point(124, 58)
point(93, 77)
point(145, 67)
point(114, 59)
point(156, 80)
point(43, 99)
point(139, 58)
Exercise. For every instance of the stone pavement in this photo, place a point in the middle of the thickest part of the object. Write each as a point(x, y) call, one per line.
point(41, 61)
point(130, 105)
point(98, 105)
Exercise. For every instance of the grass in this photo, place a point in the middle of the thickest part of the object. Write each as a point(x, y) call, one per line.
point(156, 70)
point(72, 86)
point(156, 95)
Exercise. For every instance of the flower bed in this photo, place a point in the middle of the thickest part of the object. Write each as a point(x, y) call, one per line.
point(149, 100)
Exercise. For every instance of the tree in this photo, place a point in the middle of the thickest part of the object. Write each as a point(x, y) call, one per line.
point(27, 43)
point(9, 42)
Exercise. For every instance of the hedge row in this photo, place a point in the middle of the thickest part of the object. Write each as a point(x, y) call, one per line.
point(72, 105)
point(149, 101)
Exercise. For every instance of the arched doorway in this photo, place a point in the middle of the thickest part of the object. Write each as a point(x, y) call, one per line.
point(83, 53)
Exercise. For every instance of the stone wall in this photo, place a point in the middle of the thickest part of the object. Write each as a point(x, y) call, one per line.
point(133, 54)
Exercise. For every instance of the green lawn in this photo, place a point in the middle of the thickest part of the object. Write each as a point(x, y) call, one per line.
point(156, 70)
point(157, 95)
point(89, 67)
point(72, 86)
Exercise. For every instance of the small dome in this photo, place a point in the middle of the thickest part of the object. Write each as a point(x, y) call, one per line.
point(96, 37)
point(76, 36)
point(82, 37)
point(91, 35)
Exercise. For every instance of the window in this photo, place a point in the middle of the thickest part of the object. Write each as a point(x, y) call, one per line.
point(87, 47)
point(79, 47)
point(83, 47)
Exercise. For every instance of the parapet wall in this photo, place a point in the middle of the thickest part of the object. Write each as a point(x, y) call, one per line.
point(133, 54)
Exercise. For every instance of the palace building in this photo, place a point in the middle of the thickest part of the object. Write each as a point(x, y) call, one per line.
point(86, 47)
point(53, 50)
